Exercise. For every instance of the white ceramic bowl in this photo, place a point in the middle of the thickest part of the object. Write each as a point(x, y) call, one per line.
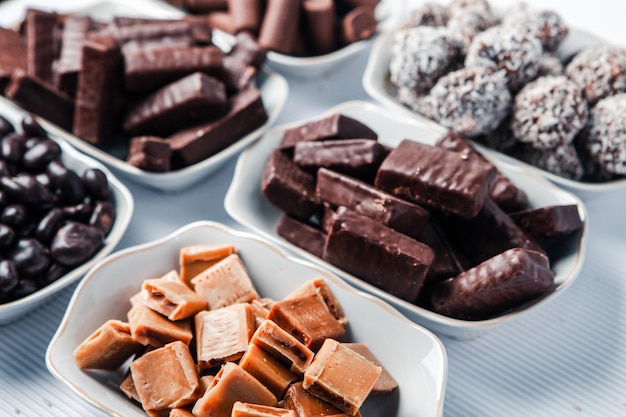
point(413, 355)
point(246, 204)
point(124, 204)
point(273, 88)
point(377, 84)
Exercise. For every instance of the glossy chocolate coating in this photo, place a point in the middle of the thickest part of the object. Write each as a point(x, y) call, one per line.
point(150, 153)
point(378, 254)
point(301, 234)
point(499, 284)
point(457, 182)
point(549, 221)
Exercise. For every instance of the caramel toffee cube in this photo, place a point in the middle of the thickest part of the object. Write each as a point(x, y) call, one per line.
point(181, 412)
point(107, 348)
point(319, 286)
point(172, 299)
point(127, 386)
point(151, 328)
point(385, 382)
point(282, 346)
point(225, 283)
point(223, 334)
point(308, 319)
point(194, 259)
point(269, 371)
point(307, 405)
point(255, 410)
point(340, 376)
point(232, 384)
point(166, 377)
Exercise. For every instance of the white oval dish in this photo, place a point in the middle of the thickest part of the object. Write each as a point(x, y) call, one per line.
point(124, 205)
point(414, 356)
point(247, 205)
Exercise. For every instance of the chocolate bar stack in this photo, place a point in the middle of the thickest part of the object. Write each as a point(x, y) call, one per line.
point(298, 28)
point(160, 86)
point(438, 226)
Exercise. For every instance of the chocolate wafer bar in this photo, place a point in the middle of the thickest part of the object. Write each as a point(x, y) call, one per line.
point(550, 221)
point(42, 46)
point(65, 69)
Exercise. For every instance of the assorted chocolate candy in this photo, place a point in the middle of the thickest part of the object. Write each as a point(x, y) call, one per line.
point(435, 225)
point(136, 78)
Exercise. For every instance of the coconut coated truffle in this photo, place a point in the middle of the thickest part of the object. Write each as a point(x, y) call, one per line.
point(605, 138)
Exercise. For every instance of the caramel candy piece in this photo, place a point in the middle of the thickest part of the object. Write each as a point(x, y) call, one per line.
point(150, 153)
point(367, 200)
point(385, 382)
point(127, 386)
point(549, 221)
point(378, 254)
point(191, 99)
point(181, 412)
point(280, 26)
point(307, 405)
point(499, 284)
point(255, 410)
point(172, 299)
point(150, 328)
point(340, 376)
point(283, 346)
point(107, 348)
point(97, 92)
point(41, 43)
point(232, 384)
point(448, 180)
point(166, 377)
point(246, 15)
point(288, 187)
point(301, 234)
point(336, 126)
point(223, 335)
point(318, 286)
point(308, 319)
point(225, 283)
point(359, 24)
point(13, 56)
point(197, 258)
point(197, 143)
point(269, 371)
point(320, 16)
point(65, 69)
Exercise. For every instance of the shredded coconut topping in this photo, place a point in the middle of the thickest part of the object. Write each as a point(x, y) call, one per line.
point(605, 137)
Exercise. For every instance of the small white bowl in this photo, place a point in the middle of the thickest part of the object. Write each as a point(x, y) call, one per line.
point(414, 356)
point(247, 205)
point(124, 205)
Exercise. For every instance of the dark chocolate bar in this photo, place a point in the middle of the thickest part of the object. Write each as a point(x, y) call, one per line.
point(378, 254)
point(447, 180)
point(150, 153)
point(499, 284)
point(362, 198)
point(196, 143)
point(336, 126)
point(189, 100)
point(549, 221)
point(288, 187)
point(42, 46)
point(13, 56)
point(320, 16)
point(301, 234)
point(358, 24)
point(280, 26)
point(65, 69)
point(147, 70)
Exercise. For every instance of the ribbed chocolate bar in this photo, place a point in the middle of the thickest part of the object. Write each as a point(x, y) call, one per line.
point(301, 234)
point(150, 153)
point(499, 284)
point(192, 99)
point(147, 70)
point(336, 126)
point(65, 69)
point(288, 187)
point(42, 46)
point(447, 180)
point(246, 113)
point(320, 16)
point(550, 221)
point(362, 198)
point(378, 254)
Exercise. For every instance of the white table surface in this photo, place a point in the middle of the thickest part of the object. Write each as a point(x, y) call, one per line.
point(565, 359)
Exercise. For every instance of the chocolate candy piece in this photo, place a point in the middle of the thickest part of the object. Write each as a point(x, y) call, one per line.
point(301, 234)
point(357, 157)
point(280, 26)
point(549, 221)
point(152, 34)
point(242, 61)
point(192, 99)
point(65, 69)
point(13, 55)
point(246, 14)
point(336, 126)
point(364, 199)
point(41, 98)
point(150, 153)
point(499, 284)
point(41, 45)
point(149, 69)
point(378, 254)
point(289, 188)
point(196, 143)
point(451, 181)
point(98, 89)
point(360, 23)
point(320, 17)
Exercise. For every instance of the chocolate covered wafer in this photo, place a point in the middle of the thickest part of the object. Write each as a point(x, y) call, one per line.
point(279, 28)
point(152, 34)
point(65, 69)
point(42, 46)
point(550, 221)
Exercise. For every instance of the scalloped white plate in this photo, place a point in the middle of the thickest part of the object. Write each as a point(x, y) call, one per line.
point(415, 357)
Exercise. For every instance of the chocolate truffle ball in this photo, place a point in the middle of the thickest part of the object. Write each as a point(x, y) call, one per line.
point(548, 112)
point(507, 48)
point(600, 70)
point(605, 137)
point(470, 101)
point(465, 24)
point(562, 160)
point(428, 14)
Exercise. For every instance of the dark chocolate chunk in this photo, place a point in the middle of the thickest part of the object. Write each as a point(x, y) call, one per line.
point(288, 187)
point(378, 254)
point(336, 126)
point(499, 284)
point(359, 24)
point(150, 153)
point(192, 99)
point(246, 113)
point(42, 46)
point(549, 221)
point(13, 55)
point(320, 17)
point(451, 181)
point(65, 69)
point(301, 234)
point(362, 198)
point(280, 26)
